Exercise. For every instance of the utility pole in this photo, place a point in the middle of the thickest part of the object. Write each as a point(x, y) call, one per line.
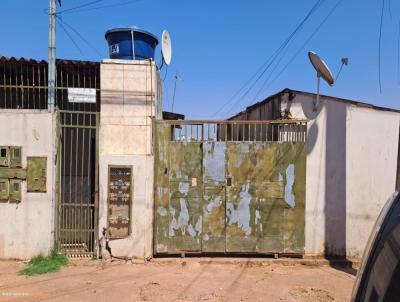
point(51, 85)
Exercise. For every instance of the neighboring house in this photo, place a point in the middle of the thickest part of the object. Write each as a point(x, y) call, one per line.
point(352, 165)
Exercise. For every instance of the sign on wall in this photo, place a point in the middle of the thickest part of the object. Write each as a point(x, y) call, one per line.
point(81, 95)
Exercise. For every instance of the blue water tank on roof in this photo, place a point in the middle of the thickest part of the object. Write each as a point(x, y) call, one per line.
point(131, 43)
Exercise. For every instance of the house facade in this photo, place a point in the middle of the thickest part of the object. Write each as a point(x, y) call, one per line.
point(281, 177)
point(352, 166)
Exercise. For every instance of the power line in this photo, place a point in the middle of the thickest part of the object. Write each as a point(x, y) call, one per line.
point(241, 89)
point(270, 75)
point(80, 36)
point(380, 46)
point(271, 60)
point(71, 38)
point(87, 9)
point(79, 6)
point(308, 40)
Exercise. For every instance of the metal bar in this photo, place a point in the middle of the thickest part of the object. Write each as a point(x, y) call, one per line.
point(82, 112)
point(186, 122)
point(45, 87)
point(16, 89)
point(89, 183)
point(45, 92)
point(81, 106)
point(70, 181)
point(96, 184)
point(58, 184)
point(27, 81)
point(76, 218)
point(63, 225)
point(82, 173)
point(33, 83)
point(80, 126)
point(39, 84)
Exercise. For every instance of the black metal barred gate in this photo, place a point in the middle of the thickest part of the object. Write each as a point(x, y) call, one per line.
point(77, 175)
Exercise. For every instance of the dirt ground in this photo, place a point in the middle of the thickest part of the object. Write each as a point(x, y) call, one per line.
point(189, 279)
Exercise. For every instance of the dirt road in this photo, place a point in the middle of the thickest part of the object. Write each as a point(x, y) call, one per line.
point(190, 279)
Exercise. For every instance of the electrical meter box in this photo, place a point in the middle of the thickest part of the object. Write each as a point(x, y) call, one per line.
point(119, 201)
point(15, 190)
point(36, 174)
point(4, 156)
point(4, 191)
point(15, 157)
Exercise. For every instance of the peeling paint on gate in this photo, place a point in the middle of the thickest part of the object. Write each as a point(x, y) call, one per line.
point(261, 208)
point(290, 178)
point(214, 157)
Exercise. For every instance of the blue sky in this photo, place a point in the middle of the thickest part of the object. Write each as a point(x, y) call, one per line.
point(219, 45)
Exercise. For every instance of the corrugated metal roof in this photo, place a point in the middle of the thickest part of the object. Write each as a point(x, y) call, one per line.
point(35, 61)
point(330, 98)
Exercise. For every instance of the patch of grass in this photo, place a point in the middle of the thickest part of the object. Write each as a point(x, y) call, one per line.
point(41, 265)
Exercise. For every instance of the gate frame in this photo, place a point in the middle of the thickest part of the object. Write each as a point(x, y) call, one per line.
point(58, 202)
point(285, 130)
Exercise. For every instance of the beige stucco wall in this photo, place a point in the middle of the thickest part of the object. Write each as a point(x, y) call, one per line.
point(130, 96)
point(27, 228)
point(351, 172)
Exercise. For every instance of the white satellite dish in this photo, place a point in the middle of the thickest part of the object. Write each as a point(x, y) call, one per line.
point(166, 47)
point(321, 68)
point(322, 71)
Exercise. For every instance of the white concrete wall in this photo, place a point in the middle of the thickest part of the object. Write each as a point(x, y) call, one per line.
point(27, 228)
point(372, 140)
point(130, 96)
point(351, 172)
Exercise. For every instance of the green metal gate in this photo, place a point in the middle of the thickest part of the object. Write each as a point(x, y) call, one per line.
point(230, 186)
point(77, 183)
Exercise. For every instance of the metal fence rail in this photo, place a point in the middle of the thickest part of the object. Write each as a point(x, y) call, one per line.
point(245, 131)
point(77, 183)
point(23, 83)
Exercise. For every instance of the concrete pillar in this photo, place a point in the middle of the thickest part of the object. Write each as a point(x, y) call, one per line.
point(131, 98)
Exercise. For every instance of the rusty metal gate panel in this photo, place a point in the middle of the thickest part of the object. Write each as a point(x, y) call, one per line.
point(292, 168)
point(214, 178)
point(229, 186)
point(162, 215)
point(265, 204)
point(77, 183)
point(250, 180)
point(185, 191)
